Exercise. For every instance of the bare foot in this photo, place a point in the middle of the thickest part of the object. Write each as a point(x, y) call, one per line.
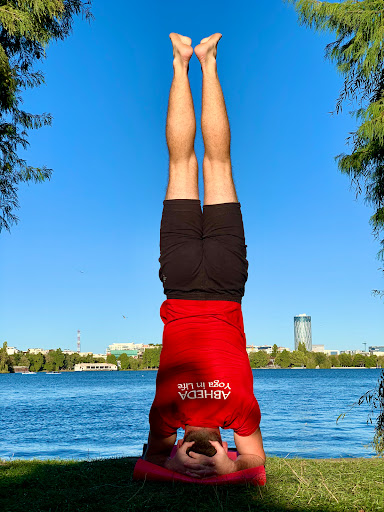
point(182, 49)
point(207, 49)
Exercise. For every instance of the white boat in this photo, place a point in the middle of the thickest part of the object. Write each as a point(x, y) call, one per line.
point(28, 373)
point(53, 373)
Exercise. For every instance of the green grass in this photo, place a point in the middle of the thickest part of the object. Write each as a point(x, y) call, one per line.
point(349, 485)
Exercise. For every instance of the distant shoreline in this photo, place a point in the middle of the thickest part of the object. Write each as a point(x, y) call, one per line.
point(332, 368)
point(264, 368)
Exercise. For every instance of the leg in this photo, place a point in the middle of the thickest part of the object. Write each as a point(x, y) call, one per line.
point(181, 126)
point(225, 263)
point(217, 170)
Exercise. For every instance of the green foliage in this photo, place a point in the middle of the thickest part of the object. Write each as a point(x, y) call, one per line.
point(87, 359)
point(55, 360)
point(58, 358)
point(133, 364)
point(378, 442)
point(24, 360)
point(274, 350)
point(370, 361)
point(36, 362)
point(26, 29)
point(297, 358)
point(70, 360)
point(320, 358)
point(3, 358)
point(15, 358)
point(49, 361)
point(313, 359)
point(283, 359)
point(338, 485)
point(258, 359)
point(310, 361)
point(302, 347)
point(345, 359)
point(326, 364)
point(358, 360)
point(123, 358)
point(358, 54)
point(111, 359)
point(99, 359)
point(151, 357)
point(334, 360)
point(11, 362)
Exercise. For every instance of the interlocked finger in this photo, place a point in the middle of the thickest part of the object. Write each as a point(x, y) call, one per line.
point(201, 473)
point(192, 465)
point(203, 459)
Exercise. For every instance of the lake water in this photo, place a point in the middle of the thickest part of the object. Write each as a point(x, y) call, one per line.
point(88, 415)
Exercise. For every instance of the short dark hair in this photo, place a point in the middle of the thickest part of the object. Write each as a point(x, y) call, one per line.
point(202, 444)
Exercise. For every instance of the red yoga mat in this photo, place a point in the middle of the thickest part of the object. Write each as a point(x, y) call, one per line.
point(151, 472)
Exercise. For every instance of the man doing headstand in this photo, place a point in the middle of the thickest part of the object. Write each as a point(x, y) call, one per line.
point(204, 380)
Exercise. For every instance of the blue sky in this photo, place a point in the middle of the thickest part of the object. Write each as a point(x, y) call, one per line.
point(86, 249)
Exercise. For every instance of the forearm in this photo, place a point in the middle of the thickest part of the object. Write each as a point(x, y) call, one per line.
point(248, 461)
point(158, 459)
point(163, 461)
point(159, 449)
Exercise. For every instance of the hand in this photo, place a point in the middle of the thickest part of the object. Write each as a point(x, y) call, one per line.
point(194, 464)
point(223, 463)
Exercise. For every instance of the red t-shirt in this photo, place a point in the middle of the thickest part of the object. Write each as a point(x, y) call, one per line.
point(204, 378)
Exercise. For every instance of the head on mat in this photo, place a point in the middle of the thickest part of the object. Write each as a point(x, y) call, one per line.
point(204, 381)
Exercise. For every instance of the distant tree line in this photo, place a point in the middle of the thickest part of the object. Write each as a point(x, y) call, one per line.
point(302, 357)
point(56, 360)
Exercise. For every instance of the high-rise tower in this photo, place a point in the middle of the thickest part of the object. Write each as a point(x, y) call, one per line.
point(303, 331)
point(78, 342)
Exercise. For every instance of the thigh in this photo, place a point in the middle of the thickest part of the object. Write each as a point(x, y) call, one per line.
point(225, 251)
point(180, 244)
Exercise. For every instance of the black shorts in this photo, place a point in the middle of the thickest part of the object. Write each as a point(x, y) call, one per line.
point(203, 255)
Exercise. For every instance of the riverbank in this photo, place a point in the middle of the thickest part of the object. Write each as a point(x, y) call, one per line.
point(263, 368)
point(326, 485)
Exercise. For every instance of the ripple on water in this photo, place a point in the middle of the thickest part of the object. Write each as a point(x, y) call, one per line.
point(87, 415)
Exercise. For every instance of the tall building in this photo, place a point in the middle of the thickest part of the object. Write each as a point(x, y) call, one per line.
point(303, 332)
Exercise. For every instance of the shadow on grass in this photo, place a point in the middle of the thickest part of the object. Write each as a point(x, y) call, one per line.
point(106, 485)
